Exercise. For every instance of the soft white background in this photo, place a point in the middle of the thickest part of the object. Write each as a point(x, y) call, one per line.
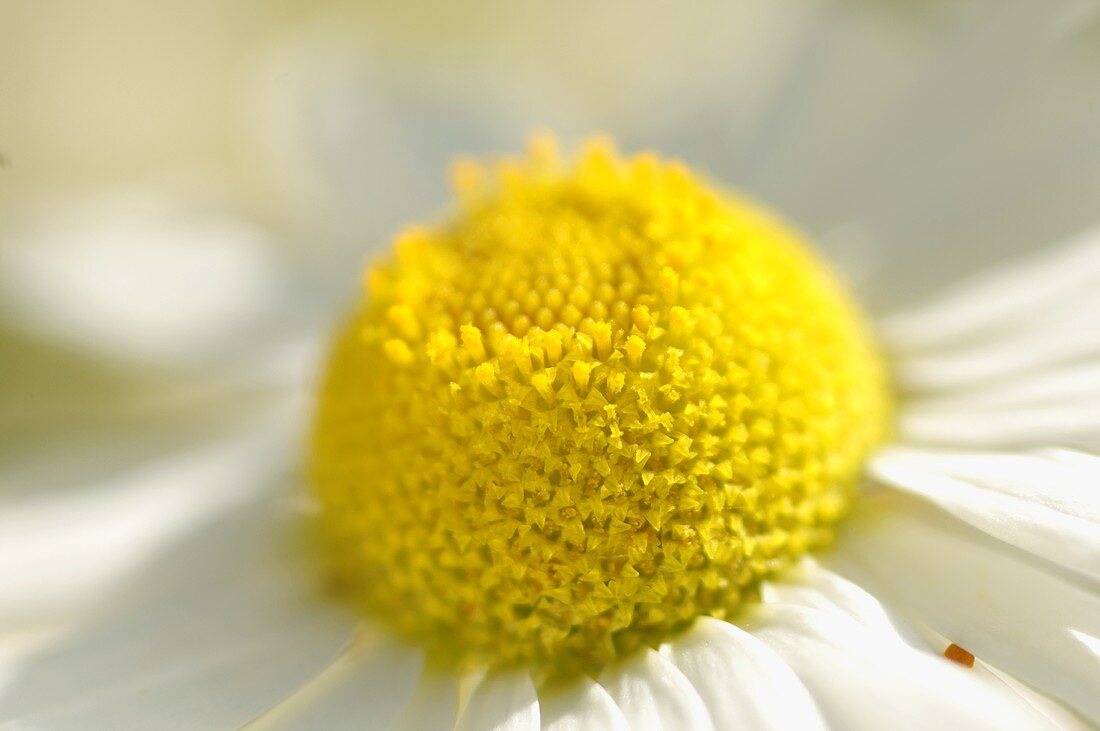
point(187, 184)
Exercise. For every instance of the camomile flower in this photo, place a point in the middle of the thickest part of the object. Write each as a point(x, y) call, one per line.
point(610, 447)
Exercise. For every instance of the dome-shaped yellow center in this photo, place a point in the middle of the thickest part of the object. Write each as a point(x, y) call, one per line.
point(600, 400)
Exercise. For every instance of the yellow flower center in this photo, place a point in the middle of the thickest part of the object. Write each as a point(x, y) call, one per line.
point(599, 401)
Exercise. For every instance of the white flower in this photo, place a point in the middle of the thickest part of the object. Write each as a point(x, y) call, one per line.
point(169, 592)
point(980, 528)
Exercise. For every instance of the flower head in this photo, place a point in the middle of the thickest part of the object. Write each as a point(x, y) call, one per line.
point(599, 401)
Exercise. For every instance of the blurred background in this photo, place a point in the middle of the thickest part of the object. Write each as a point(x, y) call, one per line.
point(188, 188)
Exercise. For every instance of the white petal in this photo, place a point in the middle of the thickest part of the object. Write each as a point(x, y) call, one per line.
point(16, 646)
point(1009, 609)
point(1087, 465)
point(810, 585)
point(59, 551)
point(1018, 361)
point(1060, 715)
point(466, 683)
point(1043, 340)
point(137, 274)
point(861, 680)
point(1047, 387)
point(1076, 424)
point(1057, 712)
point(434, 705)
point(210, 634)
point(1038, 504)
point(998, 297)
point(583, 704)
point(502, 702)
point(653, 694)
point(366, 687)
point(1014, 361)
point(742, 682)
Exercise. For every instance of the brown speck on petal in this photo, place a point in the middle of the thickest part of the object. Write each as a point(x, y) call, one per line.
point(959, 655)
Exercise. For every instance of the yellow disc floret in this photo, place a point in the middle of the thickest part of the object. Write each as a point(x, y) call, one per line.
point(599, 401)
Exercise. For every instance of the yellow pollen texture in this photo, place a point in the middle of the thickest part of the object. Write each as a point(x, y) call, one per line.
point(600, 400)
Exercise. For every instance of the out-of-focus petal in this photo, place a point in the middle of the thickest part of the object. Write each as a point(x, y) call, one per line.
point(59, 551)
point(137, 275)
point(433, 706)
point(211, 633)
point(366, 687)
point(1000, 298)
